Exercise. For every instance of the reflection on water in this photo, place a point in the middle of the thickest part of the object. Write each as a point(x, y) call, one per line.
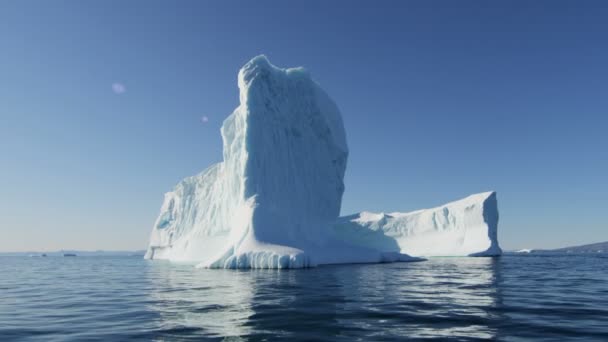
point(441, 297)
point(216, 302)
point(125, 298)
point(455, 295)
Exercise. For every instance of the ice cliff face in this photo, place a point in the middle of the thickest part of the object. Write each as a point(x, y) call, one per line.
point(467, 227)
point(274, 200)
point(296, 153)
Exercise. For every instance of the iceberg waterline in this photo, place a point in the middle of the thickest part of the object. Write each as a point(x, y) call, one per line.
point(274, 200)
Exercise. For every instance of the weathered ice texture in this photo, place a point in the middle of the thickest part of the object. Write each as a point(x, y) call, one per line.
point(467, 227)
point(274, 199)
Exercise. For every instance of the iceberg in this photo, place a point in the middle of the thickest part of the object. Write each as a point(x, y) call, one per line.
point(525, 250)
point(275, 199)
point(467, 227)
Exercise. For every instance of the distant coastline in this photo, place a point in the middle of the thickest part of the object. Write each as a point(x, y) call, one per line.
point(597, 247)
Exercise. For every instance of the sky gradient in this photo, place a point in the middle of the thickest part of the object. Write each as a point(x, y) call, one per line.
point(106, 105)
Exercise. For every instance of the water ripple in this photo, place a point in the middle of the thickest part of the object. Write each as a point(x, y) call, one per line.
point(510, 298)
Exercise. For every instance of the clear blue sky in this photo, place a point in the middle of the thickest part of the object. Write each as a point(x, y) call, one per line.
point(440, 99)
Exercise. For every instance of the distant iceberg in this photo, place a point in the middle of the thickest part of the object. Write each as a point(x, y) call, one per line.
point(525, 250)
point(274, 201)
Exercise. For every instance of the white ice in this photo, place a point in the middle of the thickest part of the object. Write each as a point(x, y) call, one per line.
point(467, 227)
point(274, 200)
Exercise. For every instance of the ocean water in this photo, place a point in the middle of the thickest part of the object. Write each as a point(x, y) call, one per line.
point(511, 298)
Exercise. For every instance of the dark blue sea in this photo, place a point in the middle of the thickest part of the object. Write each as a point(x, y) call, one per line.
point(511, 298)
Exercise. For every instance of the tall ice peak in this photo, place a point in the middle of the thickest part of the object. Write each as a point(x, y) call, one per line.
point(274, 200)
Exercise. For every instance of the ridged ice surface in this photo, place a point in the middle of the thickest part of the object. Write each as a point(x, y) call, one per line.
point(467, 227)
point(272, 201)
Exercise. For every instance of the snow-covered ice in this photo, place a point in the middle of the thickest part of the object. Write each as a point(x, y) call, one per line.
point(467, 227)
point(274, 200)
